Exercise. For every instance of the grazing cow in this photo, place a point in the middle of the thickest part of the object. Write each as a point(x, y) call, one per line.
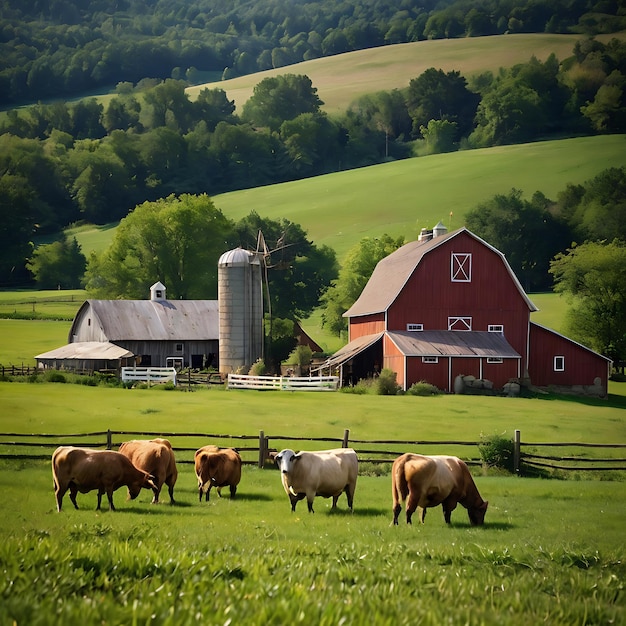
point(79, 469)
point(157, 458)
point(432, 480)
point(326, 473)
point(217, 467)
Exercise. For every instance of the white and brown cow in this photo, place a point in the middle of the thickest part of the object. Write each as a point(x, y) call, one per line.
point(156, 457)
point(432, 480)
point(80, 469)
point(217, 467)
point(326, 473)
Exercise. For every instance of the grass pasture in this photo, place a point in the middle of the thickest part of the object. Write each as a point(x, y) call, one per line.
point(551, 551)
point(343, 78)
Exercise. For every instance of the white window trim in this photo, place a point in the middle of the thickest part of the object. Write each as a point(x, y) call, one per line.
point(559, 363)
point(494, 359)
point(495, 328)
point(461, 267)
point(461, 323)
point(414, 327)
point(430, 359)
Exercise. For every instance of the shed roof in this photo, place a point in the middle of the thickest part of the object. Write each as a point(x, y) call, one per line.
point(87, 350)
point(351, 349)
point(453, 343)
point(154, 320)
point(392, 273)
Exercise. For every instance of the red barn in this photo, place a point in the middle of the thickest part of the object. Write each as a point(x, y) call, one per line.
point(449, 305)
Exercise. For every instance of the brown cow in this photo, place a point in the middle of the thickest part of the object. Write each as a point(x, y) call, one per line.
point(80, 469)
point(432, 480)
point(218, 468)
point(155, 457)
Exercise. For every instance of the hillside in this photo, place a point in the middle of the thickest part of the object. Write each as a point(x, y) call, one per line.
point(342, 78)
point(401, 198)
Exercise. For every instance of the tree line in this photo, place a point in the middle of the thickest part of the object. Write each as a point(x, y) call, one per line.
point(62, 163)
point(58, 48)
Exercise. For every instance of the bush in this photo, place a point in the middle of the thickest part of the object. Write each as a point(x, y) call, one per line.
point(497, 451)
point(258, 368)
point(422, 388)
point(363, 387)
point(54, 376)
point(386, 384)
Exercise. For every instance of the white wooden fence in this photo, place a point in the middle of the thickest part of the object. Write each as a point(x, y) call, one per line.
point(284, 383)
point(149, 374)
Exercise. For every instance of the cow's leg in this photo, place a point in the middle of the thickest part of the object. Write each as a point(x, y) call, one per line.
point(110, 497)
point(58, 494)
point(411, 505)
point(233, 491)
point(171, 492)
point(73, 492)
point(334, 505)
point(448, 507)
point(350, 495)
point(421, 513)
point(219, 491)
point(208, 492)
point(396, 512)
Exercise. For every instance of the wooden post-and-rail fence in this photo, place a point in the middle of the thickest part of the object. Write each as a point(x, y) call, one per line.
point(528, 457)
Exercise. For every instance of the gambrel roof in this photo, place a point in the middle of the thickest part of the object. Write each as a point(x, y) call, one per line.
point(152, 320)
point(392, 273)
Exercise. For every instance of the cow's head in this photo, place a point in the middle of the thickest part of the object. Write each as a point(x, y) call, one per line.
point(146, 482)
point(477, 513)
point(284, 460)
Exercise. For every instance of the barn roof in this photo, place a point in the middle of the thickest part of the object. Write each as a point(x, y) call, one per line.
point(351, 349)
point(154, 320)
point(87, 350)
point(392, 273)
point(453, 343)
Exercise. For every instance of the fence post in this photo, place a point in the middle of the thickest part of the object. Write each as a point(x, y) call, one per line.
point(346, 436)
point(262, 449)
point(109, 440)
point(516, 452)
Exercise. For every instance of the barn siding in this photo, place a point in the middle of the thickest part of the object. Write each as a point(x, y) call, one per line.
point(582, 366)
point(433, 373)
point(366, 325)
point(430, 297)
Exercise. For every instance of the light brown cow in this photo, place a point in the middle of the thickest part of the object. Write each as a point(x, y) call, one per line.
point(80, 469)
point(155, 457)
point(217, 467)
point(432, 480)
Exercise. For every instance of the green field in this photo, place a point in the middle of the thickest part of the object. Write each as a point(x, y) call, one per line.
point(551, 550)
point(403, 197)
point(343, 78)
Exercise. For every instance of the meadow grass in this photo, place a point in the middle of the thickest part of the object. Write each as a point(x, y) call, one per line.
point(343, 78)
point(538, 558)
point(551, 550)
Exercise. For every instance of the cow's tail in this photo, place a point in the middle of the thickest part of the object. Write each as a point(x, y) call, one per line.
point(399, 485)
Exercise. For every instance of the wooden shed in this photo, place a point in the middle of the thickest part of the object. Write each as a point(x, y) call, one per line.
point(449, 305)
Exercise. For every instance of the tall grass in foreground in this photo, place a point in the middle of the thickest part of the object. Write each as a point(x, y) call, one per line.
point(550, 552)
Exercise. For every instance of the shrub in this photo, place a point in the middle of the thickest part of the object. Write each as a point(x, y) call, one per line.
point(258, 368)
point(54, 376)
point(364, 386)
point(386, 384)
point(422, 388)
point(497, 451)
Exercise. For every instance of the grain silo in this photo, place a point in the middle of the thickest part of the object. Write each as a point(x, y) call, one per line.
point(240, 296)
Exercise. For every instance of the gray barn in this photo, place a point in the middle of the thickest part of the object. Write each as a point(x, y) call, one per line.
point(159, 332)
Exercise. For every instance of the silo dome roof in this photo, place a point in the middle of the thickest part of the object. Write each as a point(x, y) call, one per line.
point(238, 256)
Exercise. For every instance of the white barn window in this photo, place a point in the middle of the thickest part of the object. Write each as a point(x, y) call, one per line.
point(414, 327)
point(559, 363)
point(460, 323)
point(494, 359)
point(461, 267)
point(496, 328)
point(430, 359)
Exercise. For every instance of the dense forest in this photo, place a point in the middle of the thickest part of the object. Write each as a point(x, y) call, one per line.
point(61, 48)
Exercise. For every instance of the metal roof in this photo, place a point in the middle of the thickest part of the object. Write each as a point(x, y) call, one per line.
point(154, 320)
point(88, 350)
point(392, 273)
point(351, 349)
point(453, 343)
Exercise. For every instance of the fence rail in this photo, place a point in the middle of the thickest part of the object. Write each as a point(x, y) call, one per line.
point(258, 449)
point(283, 383)
point(149, 374)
